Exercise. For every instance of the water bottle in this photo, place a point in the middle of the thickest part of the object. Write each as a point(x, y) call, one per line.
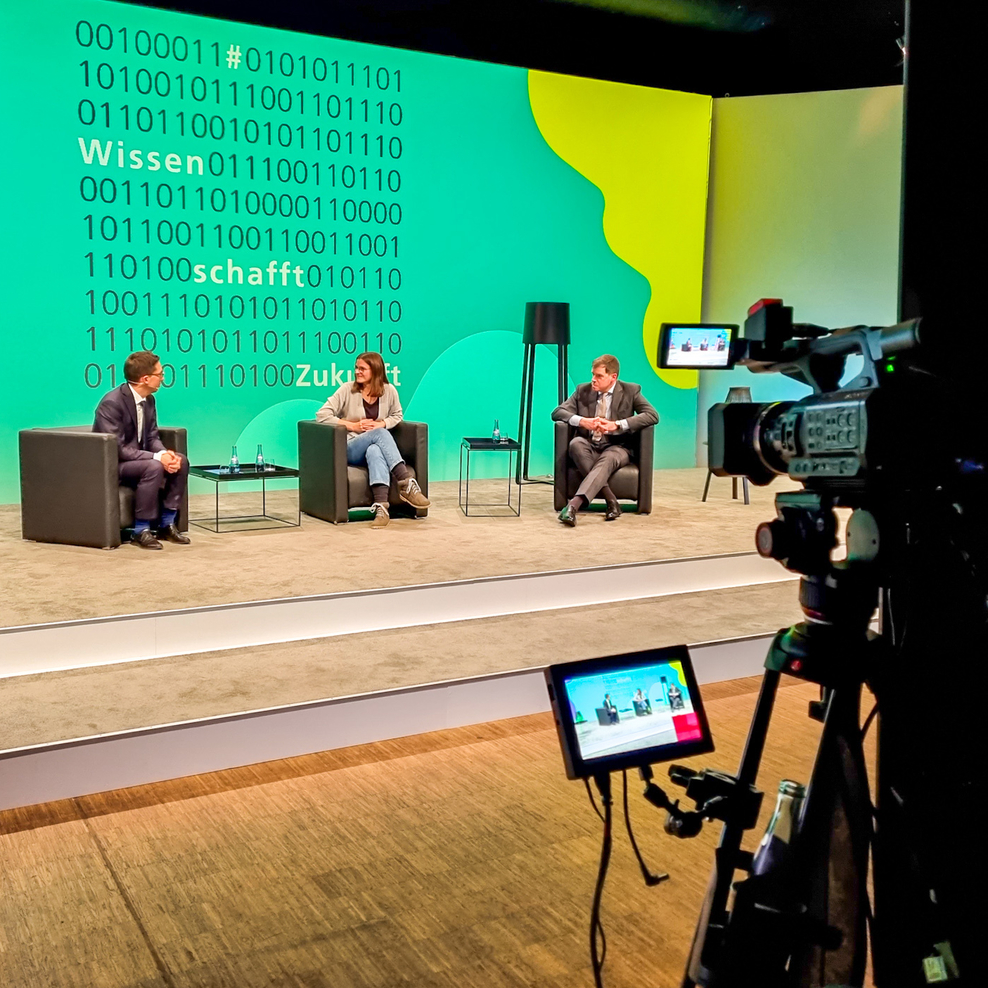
point(496, 434)
point(259, 460)
point(775, 849)
point(234, 461)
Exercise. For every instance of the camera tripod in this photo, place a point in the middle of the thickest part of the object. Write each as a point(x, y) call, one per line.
point(804, 924)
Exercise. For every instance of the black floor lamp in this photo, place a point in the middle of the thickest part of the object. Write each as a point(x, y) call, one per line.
point(545, 322)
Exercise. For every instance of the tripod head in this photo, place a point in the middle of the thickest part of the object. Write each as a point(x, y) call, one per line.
point(838, 598)
point(717, 796)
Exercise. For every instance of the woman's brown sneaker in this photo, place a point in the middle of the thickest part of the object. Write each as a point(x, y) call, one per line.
point(410, 492)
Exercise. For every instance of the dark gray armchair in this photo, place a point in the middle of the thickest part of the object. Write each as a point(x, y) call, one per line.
point(70, 491)
point(328, 487)
point(630, 483)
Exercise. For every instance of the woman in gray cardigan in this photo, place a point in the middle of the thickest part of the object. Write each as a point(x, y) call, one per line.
point(368, 408)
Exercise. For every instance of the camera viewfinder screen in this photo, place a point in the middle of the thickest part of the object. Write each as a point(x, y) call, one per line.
point(631, 709)
point(698, 346)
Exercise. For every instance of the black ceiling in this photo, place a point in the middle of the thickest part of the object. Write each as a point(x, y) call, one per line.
point(708, 46)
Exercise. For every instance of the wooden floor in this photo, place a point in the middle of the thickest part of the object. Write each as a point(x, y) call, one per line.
point(462, 858)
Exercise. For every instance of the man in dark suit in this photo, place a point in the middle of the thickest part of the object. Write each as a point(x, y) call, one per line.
point(128, 412)
point(605, 413)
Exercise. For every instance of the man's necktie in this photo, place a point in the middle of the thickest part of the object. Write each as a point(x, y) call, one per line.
point(601, 414)
point(140, 424)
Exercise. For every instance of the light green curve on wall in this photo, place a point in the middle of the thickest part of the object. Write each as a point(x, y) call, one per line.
point(647, 150)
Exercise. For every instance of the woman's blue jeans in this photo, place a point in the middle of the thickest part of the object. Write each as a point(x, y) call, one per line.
point(379, 450)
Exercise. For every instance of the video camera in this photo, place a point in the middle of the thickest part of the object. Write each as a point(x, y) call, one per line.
point(902, 444)
point(834, 439)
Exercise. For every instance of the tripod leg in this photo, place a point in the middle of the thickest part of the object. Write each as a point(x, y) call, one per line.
point(833, 847)
point(714, 910)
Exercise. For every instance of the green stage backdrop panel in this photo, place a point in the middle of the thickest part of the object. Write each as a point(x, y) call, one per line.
point(258, 206)
point(804, 206)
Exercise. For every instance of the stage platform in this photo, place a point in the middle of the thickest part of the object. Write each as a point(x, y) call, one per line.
point(103, 699)
point(260, 645)
point(43, 583)
point(109, 727)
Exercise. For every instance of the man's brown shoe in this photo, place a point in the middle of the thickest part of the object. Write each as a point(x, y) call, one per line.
point(170, 533)
point(146, 540)
point(568, 516)
point(381, 516)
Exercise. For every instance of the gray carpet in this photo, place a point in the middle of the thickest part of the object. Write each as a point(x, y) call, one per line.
point(85, 702)
point(41, 583)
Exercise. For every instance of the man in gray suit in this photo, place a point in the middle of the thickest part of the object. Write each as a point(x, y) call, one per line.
point(605, 413)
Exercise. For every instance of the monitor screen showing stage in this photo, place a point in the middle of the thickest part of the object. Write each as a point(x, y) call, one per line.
point(626, 710)
point(696, 346)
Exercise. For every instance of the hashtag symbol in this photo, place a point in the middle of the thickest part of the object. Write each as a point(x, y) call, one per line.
point(233, 56)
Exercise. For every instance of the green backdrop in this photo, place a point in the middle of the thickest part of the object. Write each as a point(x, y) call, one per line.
point(258, 206)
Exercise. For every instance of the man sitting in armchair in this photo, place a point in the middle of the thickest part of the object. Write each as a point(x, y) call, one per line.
point(159, 475)
point(605, 413)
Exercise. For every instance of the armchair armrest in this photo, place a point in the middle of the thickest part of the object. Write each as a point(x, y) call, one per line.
point(562, 433)
point(69, 487)
point(646, 449)
point(322, 481)
point(646, 464)
point(178, 440)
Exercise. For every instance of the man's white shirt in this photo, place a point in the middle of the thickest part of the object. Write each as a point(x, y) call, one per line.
point(140, 419)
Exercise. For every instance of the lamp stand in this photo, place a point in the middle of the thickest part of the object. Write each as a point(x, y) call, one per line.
point(525, 411)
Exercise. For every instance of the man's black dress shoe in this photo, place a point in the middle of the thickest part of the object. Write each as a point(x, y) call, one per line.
point(612, 513)
point(171, 534)
point(568, 516)
point(146, 540)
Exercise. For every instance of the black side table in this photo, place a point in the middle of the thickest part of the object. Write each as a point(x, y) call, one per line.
point(474, 444)
point(221, 475)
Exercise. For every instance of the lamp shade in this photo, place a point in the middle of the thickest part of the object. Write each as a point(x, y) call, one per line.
point(547, 322)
